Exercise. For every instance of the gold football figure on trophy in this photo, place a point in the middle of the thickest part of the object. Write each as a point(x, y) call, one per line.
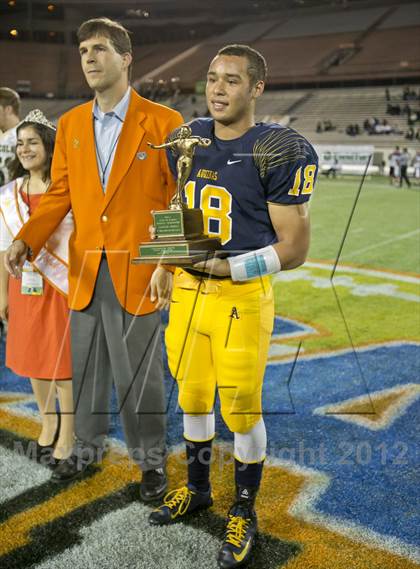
point(179, 237)
point(184, 145)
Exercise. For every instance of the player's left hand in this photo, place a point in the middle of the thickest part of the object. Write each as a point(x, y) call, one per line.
point(161, 287)
point(214, 266)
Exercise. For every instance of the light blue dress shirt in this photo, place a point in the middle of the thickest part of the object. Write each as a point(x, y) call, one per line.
point(107, 128)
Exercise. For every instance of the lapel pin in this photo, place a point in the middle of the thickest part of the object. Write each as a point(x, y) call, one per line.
point(76, 143)
point(141, 155)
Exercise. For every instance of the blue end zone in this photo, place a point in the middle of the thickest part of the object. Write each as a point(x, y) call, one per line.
point(373, 473)
point(283, 327)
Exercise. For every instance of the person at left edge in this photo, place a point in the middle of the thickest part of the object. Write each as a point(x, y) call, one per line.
point(9, 119)
point(38, 339)
point(102, 169)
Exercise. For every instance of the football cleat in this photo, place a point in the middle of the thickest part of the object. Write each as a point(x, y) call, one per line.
point(179, 503)
point(240, 535)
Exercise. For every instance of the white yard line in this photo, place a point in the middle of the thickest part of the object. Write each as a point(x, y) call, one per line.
point(385, 242)
point(368, 272)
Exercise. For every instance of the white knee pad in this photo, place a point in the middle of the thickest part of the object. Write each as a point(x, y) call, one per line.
point(251, 446)
point(199, 428)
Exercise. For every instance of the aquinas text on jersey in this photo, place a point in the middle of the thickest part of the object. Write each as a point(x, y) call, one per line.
point(207, 174)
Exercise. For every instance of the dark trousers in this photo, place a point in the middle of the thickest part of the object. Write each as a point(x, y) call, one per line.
point(403, 176)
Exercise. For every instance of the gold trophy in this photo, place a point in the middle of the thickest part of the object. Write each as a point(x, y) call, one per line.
point(179, 231)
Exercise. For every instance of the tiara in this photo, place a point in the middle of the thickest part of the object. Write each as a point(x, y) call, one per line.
point(38, 117)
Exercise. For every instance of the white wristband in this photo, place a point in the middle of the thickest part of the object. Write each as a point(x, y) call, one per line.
point(254, 264)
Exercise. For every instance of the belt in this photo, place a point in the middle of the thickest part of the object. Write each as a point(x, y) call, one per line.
point(201, 274)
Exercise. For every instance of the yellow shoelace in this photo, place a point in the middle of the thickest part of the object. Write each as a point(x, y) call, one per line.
point(180, 499)
point(236, 529)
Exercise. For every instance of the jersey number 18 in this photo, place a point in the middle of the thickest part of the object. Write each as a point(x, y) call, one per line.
point(308, 181)
point(216, 205)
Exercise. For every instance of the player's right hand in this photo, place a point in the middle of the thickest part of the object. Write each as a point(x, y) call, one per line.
point(15, 257)
point(161, 288)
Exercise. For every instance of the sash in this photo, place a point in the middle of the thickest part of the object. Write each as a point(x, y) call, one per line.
point(52, 260)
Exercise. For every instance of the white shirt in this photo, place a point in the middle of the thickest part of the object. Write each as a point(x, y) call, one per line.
point(7, 153)
point(394, 159)
point(108, 128)
point(404, 159)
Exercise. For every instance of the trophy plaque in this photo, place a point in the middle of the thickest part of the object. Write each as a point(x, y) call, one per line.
point(179, 230)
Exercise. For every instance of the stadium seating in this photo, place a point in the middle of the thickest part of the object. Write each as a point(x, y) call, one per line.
point(247, 33)
point(297, 59)
point(326, 23)
point(195, 68)
point(384, 53)
point(149, 57)
point(303, 109)
point(64, 76)
point(28, 55)
point(350, 106)
point(304, 47)
point(52, 109)
point(404, 16)
point(298, 55)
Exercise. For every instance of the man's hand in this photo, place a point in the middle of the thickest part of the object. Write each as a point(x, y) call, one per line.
point(15, 257)
point(161, 287)
point(214, 266)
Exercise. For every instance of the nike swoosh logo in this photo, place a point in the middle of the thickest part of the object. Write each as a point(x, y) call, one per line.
point(241, 556)
point(230, 162)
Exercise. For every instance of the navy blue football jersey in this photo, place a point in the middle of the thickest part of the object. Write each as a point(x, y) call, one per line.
point(232, 181)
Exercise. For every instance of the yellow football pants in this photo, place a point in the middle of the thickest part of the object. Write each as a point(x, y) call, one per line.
point(218, 336)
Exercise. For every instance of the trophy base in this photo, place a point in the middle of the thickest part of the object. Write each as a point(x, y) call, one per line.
point(182, 253)
point(177, 223)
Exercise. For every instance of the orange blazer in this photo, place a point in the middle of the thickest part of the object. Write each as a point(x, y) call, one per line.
point(117, 221)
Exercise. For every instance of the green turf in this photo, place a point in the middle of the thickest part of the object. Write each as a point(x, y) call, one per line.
point(386, 220)
point(387, 313)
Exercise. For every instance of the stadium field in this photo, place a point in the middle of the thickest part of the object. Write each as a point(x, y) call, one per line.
point(384, 232)
point(341, 401)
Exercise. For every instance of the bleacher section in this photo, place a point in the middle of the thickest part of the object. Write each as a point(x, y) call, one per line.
point(351, 106)
point(272, 106)
point(149, 57)
point(195, 68)
point(246, 33)
point(23, 62)
point(309, 48)
point(384, 53)
point(320, 24)
point(331, 46)
point(52, 109)
point(279, 104)
point(342, 107)
point(60, 72)
point(299, 59)
point(302, 110)
point(405, 15)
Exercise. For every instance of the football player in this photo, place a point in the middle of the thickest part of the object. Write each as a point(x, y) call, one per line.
point(253, 184)
point(394, 166)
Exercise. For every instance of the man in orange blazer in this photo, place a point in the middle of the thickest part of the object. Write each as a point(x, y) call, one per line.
point(104, 171)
